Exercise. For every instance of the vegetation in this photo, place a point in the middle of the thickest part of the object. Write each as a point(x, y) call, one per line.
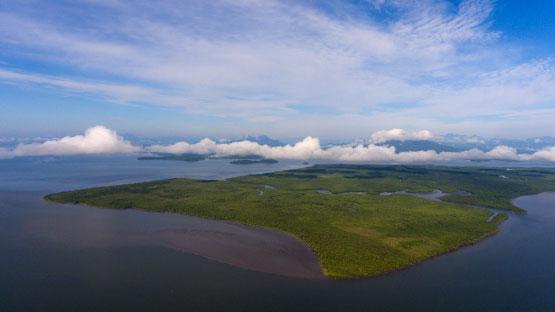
point(352, 228)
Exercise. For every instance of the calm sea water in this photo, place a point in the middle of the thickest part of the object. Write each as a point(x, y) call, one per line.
point(58, 257)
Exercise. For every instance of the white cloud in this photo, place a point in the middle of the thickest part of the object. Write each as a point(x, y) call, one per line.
point(96, 140)
point(546, 154)
point(305, 149)
point(310, 148)
point(399, 134)
point(100, 140)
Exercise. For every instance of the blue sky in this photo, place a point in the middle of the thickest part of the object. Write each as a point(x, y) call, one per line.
point(332, 69)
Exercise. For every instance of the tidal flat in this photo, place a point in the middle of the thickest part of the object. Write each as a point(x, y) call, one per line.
point(354, 231)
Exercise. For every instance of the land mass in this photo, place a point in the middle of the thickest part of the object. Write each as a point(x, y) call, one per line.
point(180, 157)
point(253, 161)
point(342, 211)
point(192, 157)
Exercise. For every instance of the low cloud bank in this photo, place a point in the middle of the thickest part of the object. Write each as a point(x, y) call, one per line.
point(547, 154)
point(96, 140)
point(101, 140)
point(310, 148)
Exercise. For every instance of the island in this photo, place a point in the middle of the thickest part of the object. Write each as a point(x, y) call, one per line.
point(192, 157)
point(253, 161)
point(360, 220)
point(180, 157)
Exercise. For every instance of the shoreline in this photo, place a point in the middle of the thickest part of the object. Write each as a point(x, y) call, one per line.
point(461, 247)
point(449, 252)
point(285, 254)
point(323, 275)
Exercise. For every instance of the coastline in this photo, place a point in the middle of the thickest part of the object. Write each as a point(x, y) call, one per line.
point(249, 247)
point(507, 215)
point(313, 256)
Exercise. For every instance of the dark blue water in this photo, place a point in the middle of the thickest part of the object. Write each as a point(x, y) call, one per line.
point(66, 258)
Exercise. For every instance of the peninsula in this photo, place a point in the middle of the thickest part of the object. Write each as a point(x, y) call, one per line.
point(360, 220)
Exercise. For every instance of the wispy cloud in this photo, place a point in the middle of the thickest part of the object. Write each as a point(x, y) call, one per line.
point(262, 58)
point(120, 92)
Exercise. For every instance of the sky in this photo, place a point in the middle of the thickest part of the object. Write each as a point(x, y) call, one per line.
point(227, 68)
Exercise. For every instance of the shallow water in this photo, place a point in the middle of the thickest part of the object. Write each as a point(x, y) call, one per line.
point(88, 227)
point(56, 257)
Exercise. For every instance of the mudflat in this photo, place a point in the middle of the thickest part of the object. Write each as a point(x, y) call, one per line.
point(247, 247)
point(250, 248)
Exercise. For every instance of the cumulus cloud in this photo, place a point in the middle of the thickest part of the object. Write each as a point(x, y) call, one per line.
point(101, 140)
point(399, 134)
point(96, 140)
point(546, 154)
point(310, 148)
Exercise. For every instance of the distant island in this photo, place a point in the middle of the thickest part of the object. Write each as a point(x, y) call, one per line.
point(360, 220)
point(190, 157)
point(253, 161)
point(247, 156)
point(180, 157)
